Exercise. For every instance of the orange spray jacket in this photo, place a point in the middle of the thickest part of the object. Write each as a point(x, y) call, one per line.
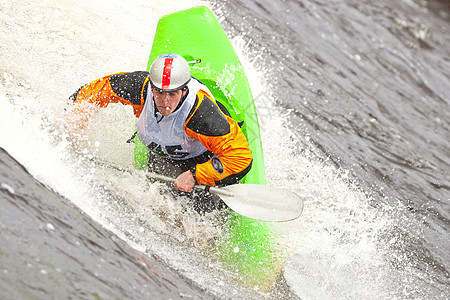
point(226, 141)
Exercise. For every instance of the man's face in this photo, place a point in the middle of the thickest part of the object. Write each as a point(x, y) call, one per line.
point(166, 102)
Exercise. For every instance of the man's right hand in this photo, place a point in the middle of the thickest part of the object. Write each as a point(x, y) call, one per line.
point(185, 182)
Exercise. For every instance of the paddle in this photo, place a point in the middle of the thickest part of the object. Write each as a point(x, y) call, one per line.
point(255, 201)
point(260, 202)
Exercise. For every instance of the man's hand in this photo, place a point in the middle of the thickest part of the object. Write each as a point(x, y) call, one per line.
point(75, 123)
point(185, 182)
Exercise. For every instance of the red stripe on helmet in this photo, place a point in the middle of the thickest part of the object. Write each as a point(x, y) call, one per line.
point(167, 73)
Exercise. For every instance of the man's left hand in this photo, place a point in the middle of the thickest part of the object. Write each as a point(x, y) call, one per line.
point(185, 182)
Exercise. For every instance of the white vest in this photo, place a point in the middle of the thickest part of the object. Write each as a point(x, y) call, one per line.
point(167, 137)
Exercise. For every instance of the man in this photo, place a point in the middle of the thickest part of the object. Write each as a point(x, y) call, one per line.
point(188, 134)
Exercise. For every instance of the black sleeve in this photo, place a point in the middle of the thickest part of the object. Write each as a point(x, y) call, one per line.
point(208, 119)
point(128, 85)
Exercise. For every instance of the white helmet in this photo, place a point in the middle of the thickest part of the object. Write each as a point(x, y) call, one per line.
point(169, 72)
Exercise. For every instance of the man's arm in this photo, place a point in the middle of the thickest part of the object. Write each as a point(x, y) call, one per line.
point(221, 135)
point(126, 88)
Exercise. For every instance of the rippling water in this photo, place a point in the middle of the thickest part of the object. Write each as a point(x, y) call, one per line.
point(365, 86)
point(353, 101)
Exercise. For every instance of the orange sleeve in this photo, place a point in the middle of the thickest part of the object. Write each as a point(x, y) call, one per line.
point(231, 149)
point(101, 92)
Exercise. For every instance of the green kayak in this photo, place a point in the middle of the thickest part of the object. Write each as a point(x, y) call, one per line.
point(247, 248)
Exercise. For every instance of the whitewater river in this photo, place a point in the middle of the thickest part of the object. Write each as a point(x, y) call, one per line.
point(353, 103)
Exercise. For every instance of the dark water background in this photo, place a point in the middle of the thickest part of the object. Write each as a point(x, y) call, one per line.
point(364, 86)
point(369, 83)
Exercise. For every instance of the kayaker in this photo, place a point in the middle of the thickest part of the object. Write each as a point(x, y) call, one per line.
point(189, 134)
